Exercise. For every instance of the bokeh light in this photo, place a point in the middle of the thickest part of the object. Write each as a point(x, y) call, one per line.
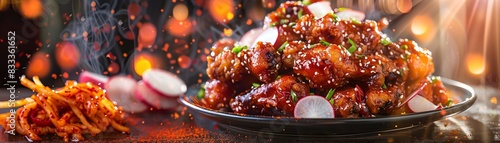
point(180, 12)
point(4, 4)
point(39, 65)
point(67, 55)
point(179, 28)
point(184, 61)
point(420, 24)
point(143, 62)
point(134, 10)
point(269, 3)
point(31, 8)
point(113, 68)
point(475, 63)
point(221, 10)
point(147, 34)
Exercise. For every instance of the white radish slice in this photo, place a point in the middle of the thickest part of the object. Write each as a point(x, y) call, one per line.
point(163, 82)
point(120, 89)
point(270, 35)
point(349, 13)
point(420, 104)
point(313, 107)
point(249, 37)
point(320, 9)
point(153, 99)
point(94, 78)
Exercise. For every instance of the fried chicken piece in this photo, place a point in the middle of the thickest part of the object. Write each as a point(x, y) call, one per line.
point(218, 94)
point(263, 61)
point(271, 98)
point(383, 100)
point(224, 64)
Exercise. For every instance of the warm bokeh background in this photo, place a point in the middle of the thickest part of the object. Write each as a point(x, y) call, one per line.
point(57, 39)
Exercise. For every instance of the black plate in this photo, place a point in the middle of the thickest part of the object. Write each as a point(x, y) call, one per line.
point(338, 126)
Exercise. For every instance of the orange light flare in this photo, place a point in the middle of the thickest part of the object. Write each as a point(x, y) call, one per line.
point(475, 63)
point(67, 55)
point(423, 28)
point(179, 28)
point(39, 65)
point(4, 4)
point(147, 34)
point(134, 10)
point(221, 10)
point(31, 8)
point(143, 62)
point(269, 3)
point(180, 12)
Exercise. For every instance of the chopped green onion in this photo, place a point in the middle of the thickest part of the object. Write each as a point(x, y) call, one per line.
point(449, 103)
point(434, 79)
point(294, 96)
point(201, 92)
point(283, 46)
point(284, 21)
point(404, 47)
point(323, 42)
point(332, 101)
point(299, 14)
point(386, 41)
point(314, 45)
point(384, 86)
point(401, 72)
point(329, 95)
point(360, 56)
point(237, 49)
point(274, 24)
point(278, 77)
point(353, 48)
point(355, 21)
point(291, 24)
point(342, 9)
point(406, 57)
point(311, 93)
point(255, 85)
point(306, 2)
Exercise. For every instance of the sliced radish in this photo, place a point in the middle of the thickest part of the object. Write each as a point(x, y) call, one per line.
point(164, 83)
point(320, 9)
point(152, 98)
point(349, 13)
point(94, 78)
point(249, 37)
point(313, 107)
point(271, 35)
point(120, 89)
point(413, 94)
point(420, 104)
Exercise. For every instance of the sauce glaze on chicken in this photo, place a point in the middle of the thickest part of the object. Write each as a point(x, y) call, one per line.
point(371, 74)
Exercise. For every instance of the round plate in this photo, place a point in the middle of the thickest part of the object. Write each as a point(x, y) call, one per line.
point(337, 126)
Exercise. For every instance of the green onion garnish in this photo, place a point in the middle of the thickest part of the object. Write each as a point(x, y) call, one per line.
point(274, 24)
point(201, 92)
point(404, 47)
point(323, 42)
point(332, 101)
point(306, 2)
point(384, 86)
point(386, 41)
point(299, 14)
point(311, 93)
point(284, 21)
point(278, 77)
point(237, 49)
point(401, 72)
point(329, 95)
point(406, 57)
point(360, 56)
point(351, 49)
point(255, 85)
point(355, 21)
point(449, 103)
point(294, 96)
point(291, 24)
point(283, 46)
point(434, 79)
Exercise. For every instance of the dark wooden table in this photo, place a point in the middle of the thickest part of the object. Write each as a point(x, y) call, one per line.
point(480, 123)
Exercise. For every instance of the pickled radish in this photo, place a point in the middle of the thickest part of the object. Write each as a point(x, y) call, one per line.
point(270, 35)
point(120, 89)
point(313, 107)
point(349, 13)
point(164, 83)
point(152, 98)
point(249, 37)
point(420, 104)
point(94, 78)
point(320, 9)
